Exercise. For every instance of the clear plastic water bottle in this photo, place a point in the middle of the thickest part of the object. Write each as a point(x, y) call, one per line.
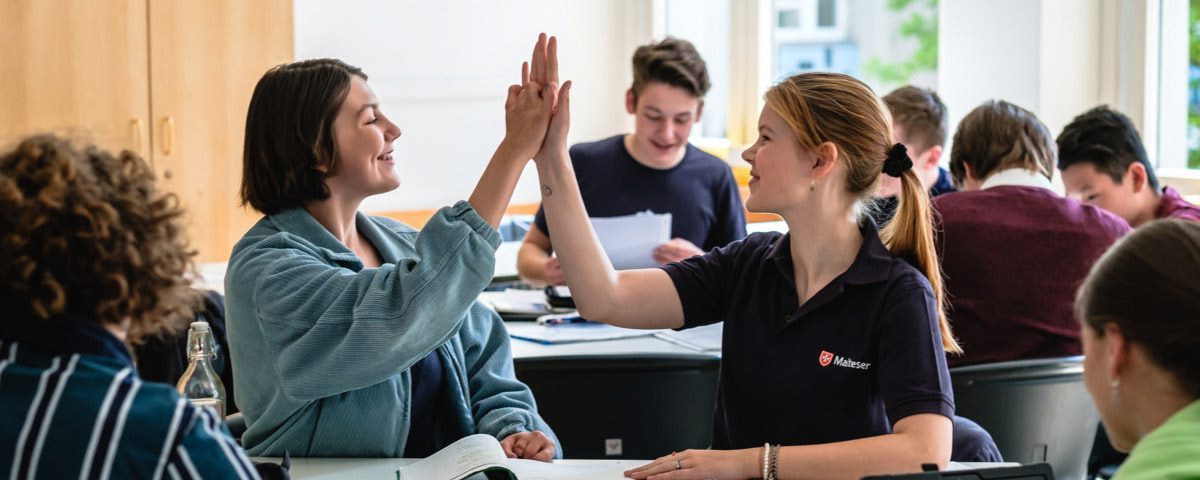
point(200, 384)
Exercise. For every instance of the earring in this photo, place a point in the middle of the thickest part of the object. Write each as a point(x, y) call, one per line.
point(812, 185)
point(1114, 398)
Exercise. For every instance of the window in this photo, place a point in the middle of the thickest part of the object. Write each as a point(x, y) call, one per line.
point(886, 44)
point(706, 24)
point(1167, 101)
point(825, 13)
point(750, 44)
point(1170, 124)
point(1193, 88)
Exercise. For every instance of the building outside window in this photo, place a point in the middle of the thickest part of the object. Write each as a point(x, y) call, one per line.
point(885, 43)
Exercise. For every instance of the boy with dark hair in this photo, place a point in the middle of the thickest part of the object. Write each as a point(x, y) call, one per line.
point(1103, 163)
point(654, 168)
point(1013, 250)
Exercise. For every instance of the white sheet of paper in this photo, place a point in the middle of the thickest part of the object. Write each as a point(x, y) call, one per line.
point(571, 332)
point(703, 339)
point(630, 240)
point(506, 260)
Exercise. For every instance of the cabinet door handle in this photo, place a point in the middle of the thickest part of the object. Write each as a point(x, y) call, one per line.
point(135, 127)
point(168, 124)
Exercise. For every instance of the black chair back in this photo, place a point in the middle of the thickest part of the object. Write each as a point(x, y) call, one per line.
point(1036, 410)
point(633, 407)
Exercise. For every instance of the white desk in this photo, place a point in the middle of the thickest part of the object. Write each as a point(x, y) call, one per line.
point(385, 468)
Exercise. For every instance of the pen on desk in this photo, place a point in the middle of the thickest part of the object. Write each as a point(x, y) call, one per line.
point(561, 319)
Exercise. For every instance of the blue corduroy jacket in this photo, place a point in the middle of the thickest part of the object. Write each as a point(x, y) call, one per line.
point(321, 347)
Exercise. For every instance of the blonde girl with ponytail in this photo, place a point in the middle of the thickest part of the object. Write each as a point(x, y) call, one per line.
point(833, 359)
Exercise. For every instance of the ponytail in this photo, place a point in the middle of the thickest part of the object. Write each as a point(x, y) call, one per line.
point(910, 236)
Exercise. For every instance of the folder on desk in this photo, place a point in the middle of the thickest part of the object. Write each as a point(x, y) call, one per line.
point(572, 332)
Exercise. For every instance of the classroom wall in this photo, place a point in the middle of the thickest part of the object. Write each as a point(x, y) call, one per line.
point(441, 70)
point(1042, 55)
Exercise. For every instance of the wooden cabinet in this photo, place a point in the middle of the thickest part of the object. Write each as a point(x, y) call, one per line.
point(171, 80)
point(80, 70)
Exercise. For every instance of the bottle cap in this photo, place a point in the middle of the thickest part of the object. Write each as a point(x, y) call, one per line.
point(200, 326)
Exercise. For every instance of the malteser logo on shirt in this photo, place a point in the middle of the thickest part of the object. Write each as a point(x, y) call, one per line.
point(828, 358)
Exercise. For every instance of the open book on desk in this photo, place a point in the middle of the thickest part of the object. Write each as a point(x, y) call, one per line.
point(482, 453)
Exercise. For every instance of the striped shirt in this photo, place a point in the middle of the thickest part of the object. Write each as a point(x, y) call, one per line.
point(75, 408)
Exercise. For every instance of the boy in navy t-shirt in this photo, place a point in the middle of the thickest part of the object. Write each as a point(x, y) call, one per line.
point(654, 168)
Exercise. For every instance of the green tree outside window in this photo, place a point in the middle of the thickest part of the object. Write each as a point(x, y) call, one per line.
point(922, 26)
point(1194, 84)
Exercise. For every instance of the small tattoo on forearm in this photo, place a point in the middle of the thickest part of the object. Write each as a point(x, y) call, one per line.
point(546, 192)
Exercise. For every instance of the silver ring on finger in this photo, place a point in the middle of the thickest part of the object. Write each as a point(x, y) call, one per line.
point(678, 464)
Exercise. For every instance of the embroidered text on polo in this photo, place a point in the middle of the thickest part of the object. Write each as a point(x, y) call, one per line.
point(828, 358)
point(848, 363)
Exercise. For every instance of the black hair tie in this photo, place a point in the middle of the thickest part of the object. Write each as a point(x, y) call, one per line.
point(897, 161)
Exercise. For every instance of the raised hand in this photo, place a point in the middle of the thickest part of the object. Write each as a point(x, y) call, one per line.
point(543, 64)
point(527, 112)
point(530, 105)
point(555, 142)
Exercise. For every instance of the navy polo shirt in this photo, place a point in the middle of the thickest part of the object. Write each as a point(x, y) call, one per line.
point(861, 354)
point(699, 192)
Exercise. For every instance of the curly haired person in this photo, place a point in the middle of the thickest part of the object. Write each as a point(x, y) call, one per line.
point(93, 259)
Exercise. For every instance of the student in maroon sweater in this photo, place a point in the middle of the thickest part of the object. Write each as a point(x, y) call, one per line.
point(1014, 250)
point(1104, 164)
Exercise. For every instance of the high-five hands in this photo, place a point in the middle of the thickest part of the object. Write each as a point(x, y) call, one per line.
point(530, 105)
point(555, 143)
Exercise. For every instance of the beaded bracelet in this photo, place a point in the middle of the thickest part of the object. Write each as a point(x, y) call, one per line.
point(765, 462)
point(772, 463)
